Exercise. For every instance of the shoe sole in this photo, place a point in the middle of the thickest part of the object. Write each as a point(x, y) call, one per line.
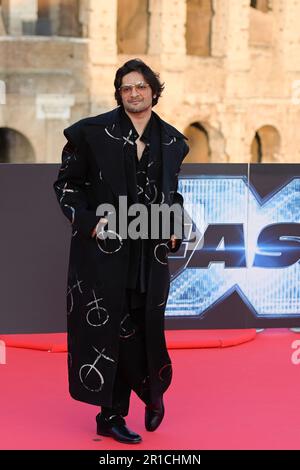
point(107, 434)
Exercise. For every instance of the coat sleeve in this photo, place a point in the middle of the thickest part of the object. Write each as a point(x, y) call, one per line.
point(178, 199)
point(69, 188)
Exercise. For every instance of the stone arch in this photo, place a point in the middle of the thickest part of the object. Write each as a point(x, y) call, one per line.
point(198, 143)
point(265, 145)
point(207, 144)
point(199, 14)
point(132, 26)
point(15, 147)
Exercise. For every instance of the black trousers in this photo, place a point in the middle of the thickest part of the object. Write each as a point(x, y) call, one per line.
point(132, 364)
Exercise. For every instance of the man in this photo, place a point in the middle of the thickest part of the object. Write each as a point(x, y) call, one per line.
point(117, 286)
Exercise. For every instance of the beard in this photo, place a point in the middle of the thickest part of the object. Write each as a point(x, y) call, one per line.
point(136, 108)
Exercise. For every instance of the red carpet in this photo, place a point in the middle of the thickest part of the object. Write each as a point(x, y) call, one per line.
point(242, 397)
point(183, 339)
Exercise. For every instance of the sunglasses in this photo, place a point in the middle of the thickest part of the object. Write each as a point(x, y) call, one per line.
point(128, 88)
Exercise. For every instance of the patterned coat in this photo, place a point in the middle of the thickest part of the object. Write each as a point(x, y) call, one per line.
point(92, 172)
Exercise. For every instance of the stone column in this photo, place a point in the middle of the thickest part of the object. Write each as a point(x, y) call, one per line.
point(167, 27)
point(3, 31)
point(2, 92)
point(167, 42)
point(55, 111)
point(21, 16)
point(230, 32)
point(230, 42)
point(288, 32)
point(2, 102)
point(102, 32)
point(234, 127)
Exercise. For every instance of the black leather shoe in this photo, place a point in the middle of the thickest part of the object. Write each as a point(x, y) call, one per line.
point(115, 427)
point(154, 414)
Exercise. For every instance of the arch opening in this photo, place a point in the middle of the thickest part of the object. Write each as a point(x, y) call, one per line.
point(15, 147)
point(265, 146)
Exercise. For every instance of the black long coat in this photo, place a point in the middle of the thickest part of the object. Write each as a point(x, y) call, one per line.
point(92, 172)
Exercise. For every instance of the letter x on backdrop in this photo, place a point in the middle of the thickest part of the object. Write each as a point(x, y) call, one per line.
point(238, 265)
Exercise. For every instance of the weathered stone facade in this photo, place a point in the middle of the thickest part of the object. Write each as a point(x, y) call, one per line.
point(231, 70)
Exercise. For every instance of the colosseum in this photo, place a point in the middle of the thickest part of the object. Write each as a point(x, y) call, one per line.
point(231, 70)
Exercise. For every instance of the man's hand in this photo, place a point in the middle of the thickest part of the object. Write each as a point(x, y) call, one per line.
point(99, 227)
point(173, 239)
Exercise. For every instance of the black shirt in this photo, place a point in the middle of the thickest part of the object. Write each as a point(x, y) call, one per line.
point(140, 188)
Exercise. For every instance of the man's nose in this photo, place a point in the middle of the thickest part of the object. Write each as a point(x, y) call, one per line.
point(134, 92)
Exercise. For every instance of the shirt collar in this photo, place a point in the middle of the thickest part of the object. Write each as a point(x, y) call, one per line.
point(127, 125)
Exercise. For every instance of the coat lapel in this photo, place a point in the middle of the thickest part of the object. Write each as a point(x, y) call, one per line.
point(105, 139)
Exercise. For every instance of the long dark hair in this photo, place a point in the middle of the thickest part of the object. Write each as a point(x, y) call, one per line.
point(137, 65)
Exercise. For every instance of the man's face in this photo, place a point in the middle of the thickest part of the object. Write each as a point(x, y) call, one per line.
point(135, 99)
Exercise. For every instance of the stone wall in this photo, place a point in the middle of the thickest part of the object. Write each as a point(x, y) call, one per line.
point(231, 73)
